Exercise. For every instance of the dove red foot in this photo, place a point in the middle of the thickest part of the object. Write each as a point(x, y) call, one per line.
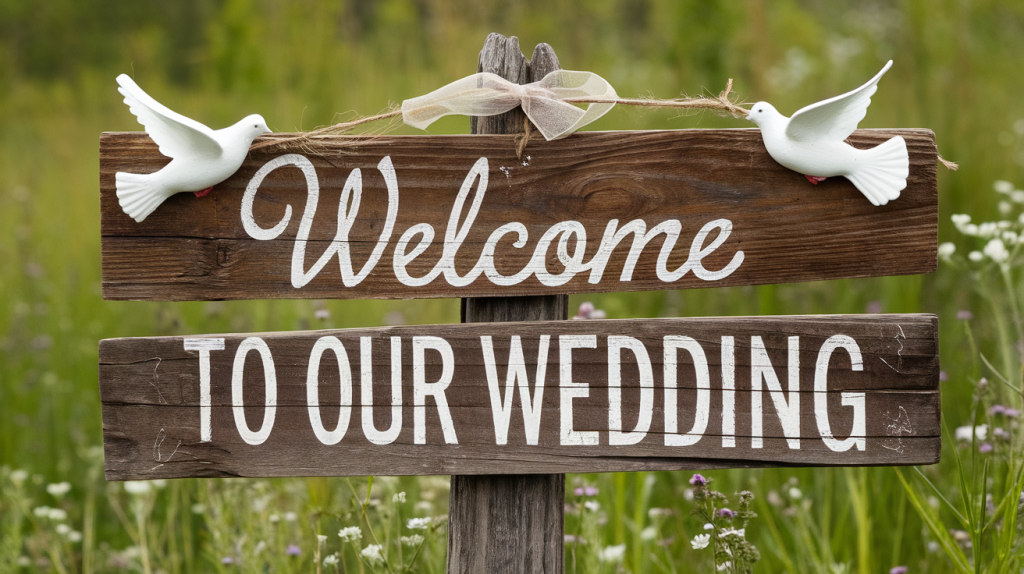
point(203, 192)
point(200, 156)
point(812, 143)
point(810, 178)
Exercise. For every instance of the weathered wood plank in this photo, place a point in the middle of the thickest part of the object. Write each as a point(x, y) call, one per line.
point(788, 230)
point(151, 387)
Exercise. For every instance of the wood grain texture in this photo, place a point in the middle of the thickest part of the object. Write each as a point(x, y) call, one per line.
point(789, 230)
point(150, 393)
point(508, 522)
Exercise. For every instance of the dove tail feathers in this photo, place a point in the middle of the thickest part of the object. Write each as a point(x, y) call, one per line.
point(882, 171)
point(138, 194)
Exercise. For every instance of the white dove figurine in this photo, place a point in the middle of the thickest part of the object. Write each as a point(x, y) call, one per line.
point(812, 143)
point(200, 157)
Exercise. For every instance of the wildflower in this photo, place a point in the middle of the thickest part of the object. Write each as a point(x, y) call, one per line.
point(274, 518)
point(726, 513)
point(227, 560)
point(873, 307)
point(723, 566)
point(698, 480)
point(290, 516)
point(612, 553)
point(656, 512)
point(732, 532)
point(350, 534)
point(322, 314)
point(58, 489)
point(975, 256)
point(198, 508)
point(592, 505)
point(572, 539)
point(795, 493)
point(709, 526)
point(1005, 207)
point(1002, 186)
point(331, 560)
point(321, 538)
point(960, 219)
point(588, 311)
point(18, 476)
point(159, 483)
point(1000, 433)
point(56, 514)
point(63, 529)
point(372, 553)
point(964, 433)
point(398, 497)
point(700, 541)
point(898, 570)
point(997, 251)
point(649, 533)
point(946, 250)
point(41, 511)
point(985, 448)
point(419, 523)
point(933, 546)
point(293, 550)
point(964, 315)
point(414, 540)
point(586, 491)
point(774, 499)
point(943, 376)
point(74, 536)
point(137, 487)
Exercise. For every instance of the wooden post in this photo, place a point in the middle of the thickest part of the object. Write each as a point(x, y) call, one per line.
point(509, 523)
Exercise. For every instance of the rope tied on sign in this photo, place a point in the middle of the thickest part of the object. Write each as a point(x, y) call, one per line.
point(551, 104)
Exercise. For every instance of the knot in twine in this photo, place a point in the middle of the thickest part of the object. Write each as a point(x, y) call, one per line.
point(543, 102)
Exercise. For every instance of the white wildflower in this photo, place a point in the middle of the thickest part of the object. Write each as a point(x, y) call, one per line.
point(419, 523)
point(321, 538)
point(723, 566)
point(975, 256)
point(159, 483)
point(649, 533)
point(414, 540)
point(1017, 196)
point(997, 251)
point(41, 511)
point(350, 533)
point(62, 529)
point(58, 489)
point(795, 493)
point(656, 512)
point(290, 517)
point(1010, 237)
point(960, 220)
point(18, 476)
point(946, 250)
point(74, 536)
point(137, 487)
point(331, 560)
point(971, 229)
point(24, 561)
point(612, 553)
point(732, 532)
point(198, 508)
point(1005, 207)
point(964, 433)
point(398, 497)
point(700, 541)
point(592, 505)
point(709, 526)
point(56, 514)
point(1002, 186)
point(274, 518)
point(372, 553)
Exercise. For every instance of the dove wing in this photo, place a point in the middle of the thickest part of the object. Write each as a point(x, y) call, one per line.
point(834, 118)
point(175, 134)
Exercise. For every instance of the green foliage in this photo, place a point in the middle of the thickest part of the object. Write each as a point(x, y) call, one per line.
point(302, 63)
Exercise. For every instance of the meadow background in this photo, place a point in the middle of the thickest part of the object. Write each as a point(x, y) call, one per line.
point(301, 64)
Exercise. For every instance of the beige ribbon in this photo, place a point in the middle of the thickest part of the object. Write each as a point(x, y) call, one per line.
point(486, 94)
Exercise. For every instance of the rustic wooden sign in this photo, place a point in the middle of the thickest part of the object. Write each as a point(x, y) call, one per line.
point(461, 216)
point(537, 397)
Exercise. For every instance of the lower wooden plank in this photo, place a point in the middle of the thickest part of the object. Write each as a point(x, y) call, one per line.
point(829, 390)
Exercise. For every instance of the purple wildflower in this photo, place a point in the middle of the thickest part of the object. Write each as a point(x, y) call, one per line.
point(726, 513)
point(227, 560)
point(943, 376)
point(293, 550)
point(873, 307)
point(898, 570)
point(1012, 413)
point(698, 480)
point(590, 491)
point(996, 410)
point(964, 315)
point(985, 447)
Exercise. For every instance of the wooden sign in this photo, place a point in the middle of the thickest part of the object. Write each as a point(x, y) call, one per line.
point(538, 397)
point(461, 216)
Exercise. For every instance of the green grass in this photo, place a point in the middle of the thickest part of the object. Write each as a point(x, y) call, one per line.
point(957, 72)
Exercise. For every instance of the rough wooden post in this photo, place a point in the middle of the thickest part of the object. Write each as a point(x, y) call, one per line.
point(509, 523)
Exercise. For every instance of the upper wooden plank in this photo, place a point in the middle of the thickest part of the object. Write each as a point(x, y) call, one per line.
point(788, 230)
